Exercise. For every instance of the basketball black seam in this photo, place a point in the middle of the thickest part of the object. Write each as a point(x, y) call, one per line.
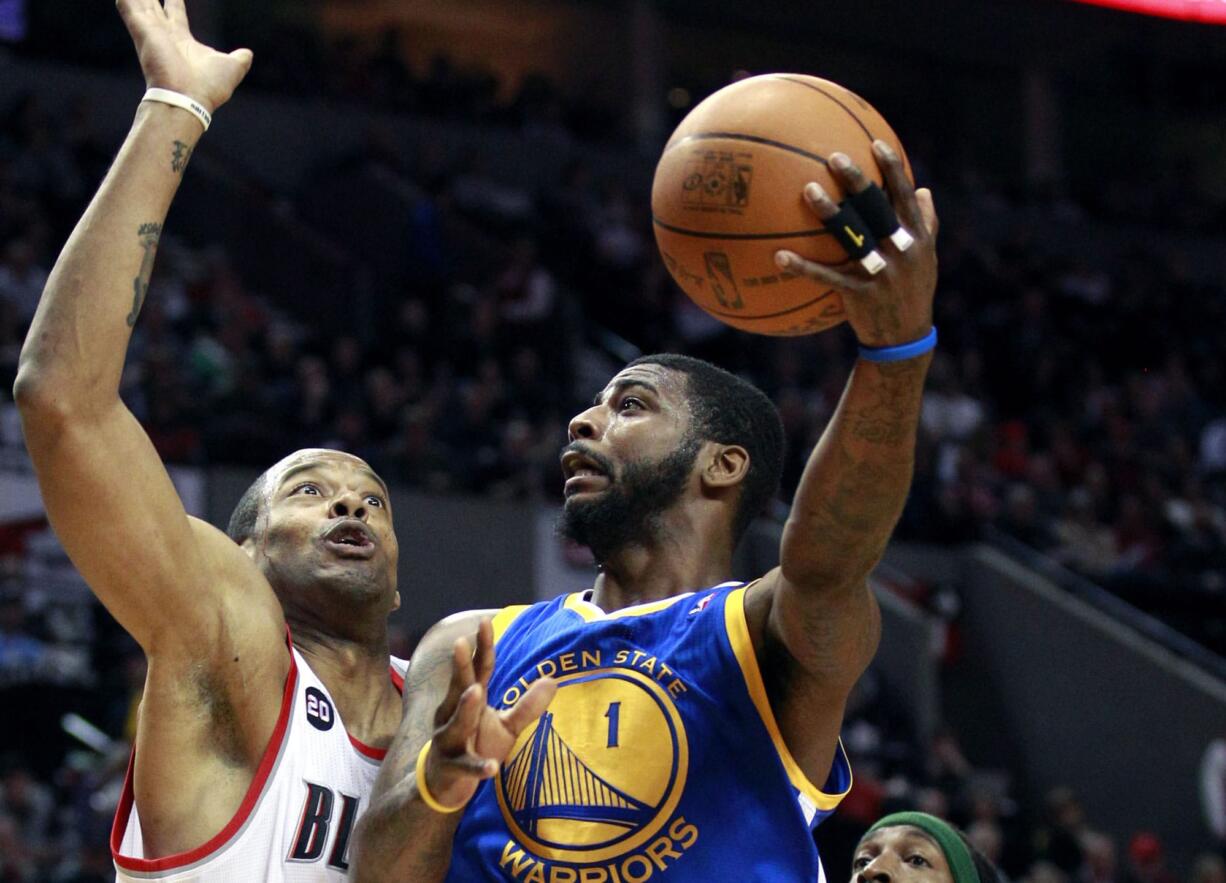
point(822, 91)
point(755, 139)
point(822, 296)
point(699, 234)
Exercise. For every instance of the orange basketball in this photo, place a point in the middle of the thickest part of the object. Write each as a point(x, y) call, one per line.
point(728, 194)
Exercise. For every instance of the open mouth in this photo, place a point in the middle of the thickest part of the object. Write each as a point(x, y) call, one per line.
point(351, 538)
point(582, 472)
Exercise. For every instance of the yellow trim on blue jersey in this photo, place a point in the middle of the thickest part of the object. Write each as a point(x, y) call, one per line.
point(742, 646)
point(503, 618)
point(576, 603)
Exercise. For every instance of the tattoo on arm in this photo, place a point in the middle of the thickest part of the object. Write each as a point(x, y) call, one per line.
point(149, 235)
point(846, 508)
point(889, 419)
point(182, 156)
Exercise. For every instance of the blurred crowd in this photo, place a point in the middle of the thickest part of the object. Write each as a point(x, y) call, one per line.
point(1076, 405)
point(1080, 409)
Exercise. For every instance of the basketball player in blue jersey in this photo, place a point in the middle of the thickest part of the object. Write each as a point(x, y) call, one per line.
point(253, 756)
point(692, 724)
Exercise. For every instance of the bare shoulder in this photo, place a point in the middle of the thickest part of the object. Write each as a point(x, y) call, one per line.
point(431, 662)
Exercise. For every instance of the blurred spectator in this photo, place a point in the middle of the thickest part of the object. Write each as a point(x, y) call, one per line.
point(20, 653)
point(1208, 868)
point(21, 278)
point(1045, 872)
point(1213, 789)
point(1082, 541)
point(1146, 860)
point(1021, 517)
point(1059, 840)
point(28, 806)
point(1099, 861)
point(987, 838)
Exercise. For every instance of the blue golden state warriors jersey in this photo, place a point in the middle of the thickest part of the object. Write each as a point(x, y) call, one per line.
point(658, 759)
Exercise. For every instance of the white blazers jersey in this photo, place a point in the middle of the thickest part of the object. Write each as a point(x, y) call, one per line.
point(296, 821)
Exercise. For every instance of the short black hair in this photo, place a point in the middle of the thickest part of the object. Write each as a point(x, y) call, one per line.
point(246, 513)
point(732, 411)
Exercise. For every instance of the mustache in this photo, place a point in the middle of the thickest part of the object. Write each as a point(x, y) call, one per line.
point(606, 466)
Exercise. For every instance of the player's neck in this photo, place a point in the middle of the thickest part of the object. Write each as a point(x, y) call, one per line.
point(357, 677)
point(679, 562)
point(345, 657)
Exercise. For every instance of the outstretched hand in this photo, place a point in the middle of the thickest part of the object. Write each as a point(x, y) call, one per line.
point(171, 58)
point(471, 739)
point(895, 306)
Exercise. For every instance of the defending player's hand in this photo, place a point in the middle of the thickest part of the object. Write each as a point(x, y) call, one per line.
point(471, 739)
point(171, 58)
point(894, 306)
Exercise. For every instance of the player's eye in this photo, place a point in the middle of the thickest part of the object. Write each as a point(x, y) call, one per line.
point(918, 861)
point(860, 863)
point(630, 403)
point(375, 501)
point(306, 488)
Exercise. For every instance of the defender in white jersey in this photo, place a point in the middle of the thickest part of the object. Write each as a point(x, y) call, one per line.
point(252, 759)
point(297, 817)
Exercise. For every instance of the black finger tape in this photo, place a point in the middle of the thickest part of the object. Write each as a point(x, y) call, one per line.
point(874, 207)
point(850, 230)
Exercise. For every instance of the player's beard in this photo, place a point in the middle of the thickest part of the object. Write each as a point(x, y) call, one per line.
point(628, 511)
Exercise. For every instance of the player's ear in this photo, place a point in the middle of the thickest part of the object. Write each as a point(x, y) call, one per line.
point(396, 601)
point(249, 546)
point(724, 466)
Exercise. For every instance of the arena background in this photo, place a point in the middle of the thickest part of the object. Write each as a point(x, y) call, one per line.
point(420, 232)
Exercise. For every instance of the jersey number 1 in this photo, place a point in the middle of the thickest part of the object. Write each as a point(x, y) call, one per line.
point(612, 714)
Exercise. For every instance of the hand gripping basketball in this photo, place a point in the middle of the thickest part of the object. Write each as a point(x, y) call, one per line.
point(893, 306)
point(471, 739)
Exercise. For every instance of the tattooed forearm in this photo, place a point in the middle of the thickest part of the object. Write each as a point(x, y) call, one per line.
point(149, 235)
point(181, 157)
point(889, 415)
point(856, 482)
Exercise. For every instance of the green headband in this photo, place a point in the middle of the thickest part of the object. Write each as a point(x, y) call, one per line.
point(961, 865)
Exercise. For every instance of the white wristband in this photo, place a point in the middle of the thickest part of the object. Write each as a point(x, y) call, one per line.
point(177, 99)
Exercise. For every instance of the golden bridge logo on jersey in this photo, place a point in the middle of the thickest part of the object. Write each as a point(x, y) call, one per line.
point(597, 778)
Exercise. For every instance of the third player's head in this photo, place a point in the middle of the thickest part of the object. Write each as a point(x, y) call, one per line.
point(914, 847)
point(668, 432)
point(319, 525)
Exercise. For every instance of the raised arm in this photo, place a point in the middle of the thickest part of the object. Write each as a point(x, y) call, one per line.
point(107, 494)
point(401, 837)
point(817, 604)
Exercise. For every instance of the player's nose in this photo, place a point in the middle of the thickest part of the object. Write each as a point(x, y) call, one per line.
point(876, 871)
point(348, 504)
point(587, 426)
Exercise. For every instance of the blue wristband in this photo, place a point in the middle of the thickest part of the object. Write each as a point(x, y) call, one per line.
point(901, 352)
